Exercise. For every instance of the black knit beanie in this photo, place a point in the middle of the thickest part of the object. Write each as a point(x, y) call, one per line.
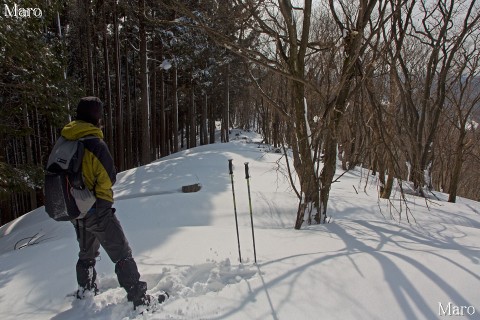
point(90, 109)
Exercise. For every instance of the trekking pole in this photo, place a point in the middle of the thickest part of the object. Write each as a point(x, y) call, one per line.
point(247, 176)
point(230, 166)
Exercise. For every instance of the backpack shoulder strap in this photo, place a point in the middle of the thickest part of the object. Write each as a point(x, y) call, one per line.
point(80, 151)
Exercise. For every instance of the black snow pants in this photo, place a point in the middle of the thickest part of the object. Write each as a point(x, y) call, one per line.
point(103, 228)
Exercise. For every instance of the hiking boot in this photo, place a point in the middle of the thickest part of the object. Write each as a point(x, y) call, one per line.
point(162, 297)
point(86, 278)
point(89, 291)
point(148, 301)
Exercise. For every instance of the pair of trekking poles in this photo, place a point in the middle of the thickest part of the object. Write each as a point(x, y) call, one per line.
point(247, 177)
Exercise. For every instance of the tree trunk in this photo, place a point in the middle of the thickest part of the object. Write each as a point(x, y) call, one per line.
point(175, 109)
point(226, 110)
point(328, 172)
point(90, 78)
point(119, 133)
point(128, 114)
point(305, 165)
point(162, 121)
point(387, 190)
point(108, 89)
point(144, 102)
point(30, 161)
point(203, 122)
point(192, 122)
point(154, 121)
point(381, 170)
point(211, 124)
point(457, 166)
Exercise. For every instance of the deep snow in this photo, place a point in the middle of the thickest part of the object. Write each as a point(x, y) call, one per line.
point(367, 263)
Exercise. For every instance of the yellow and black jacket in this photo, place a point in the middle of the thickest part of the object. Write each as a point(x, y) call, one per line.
point(97, 165)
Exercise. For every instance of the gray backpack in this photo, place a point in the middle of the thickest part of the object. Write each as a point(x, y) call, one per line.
point(66, 196)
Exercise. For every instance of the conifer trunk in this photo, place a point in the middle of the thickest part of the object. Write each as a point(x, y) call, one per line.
point(145, 154)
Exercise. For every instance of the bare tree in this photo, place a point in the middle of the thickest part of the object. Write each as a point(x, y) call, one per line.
point(359, 26)
point(285, 29)
point(463, 96)
point(423, 57)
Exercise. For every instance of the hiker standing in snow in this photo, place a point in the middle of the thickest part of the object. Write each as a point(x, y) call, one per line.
point(100, 226)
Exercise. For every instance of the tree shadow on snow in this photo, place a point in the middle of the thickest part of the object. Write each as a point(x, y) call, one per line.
point(394, 250)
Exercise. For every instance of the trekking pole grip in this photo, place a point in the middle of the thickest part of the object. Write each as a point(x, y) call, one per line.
point(247, 174)
point(230, 166)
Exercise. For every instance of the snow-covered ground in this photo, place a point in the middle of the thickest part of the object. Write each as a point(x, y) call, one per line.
point(367, 263)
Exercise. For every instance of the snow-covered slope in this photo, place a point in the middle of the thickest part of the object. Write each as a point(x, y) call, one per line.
point(362, 265)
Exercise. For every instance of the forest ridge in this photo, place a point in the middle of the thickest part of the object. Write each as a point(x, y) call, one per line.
point(389, 85)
